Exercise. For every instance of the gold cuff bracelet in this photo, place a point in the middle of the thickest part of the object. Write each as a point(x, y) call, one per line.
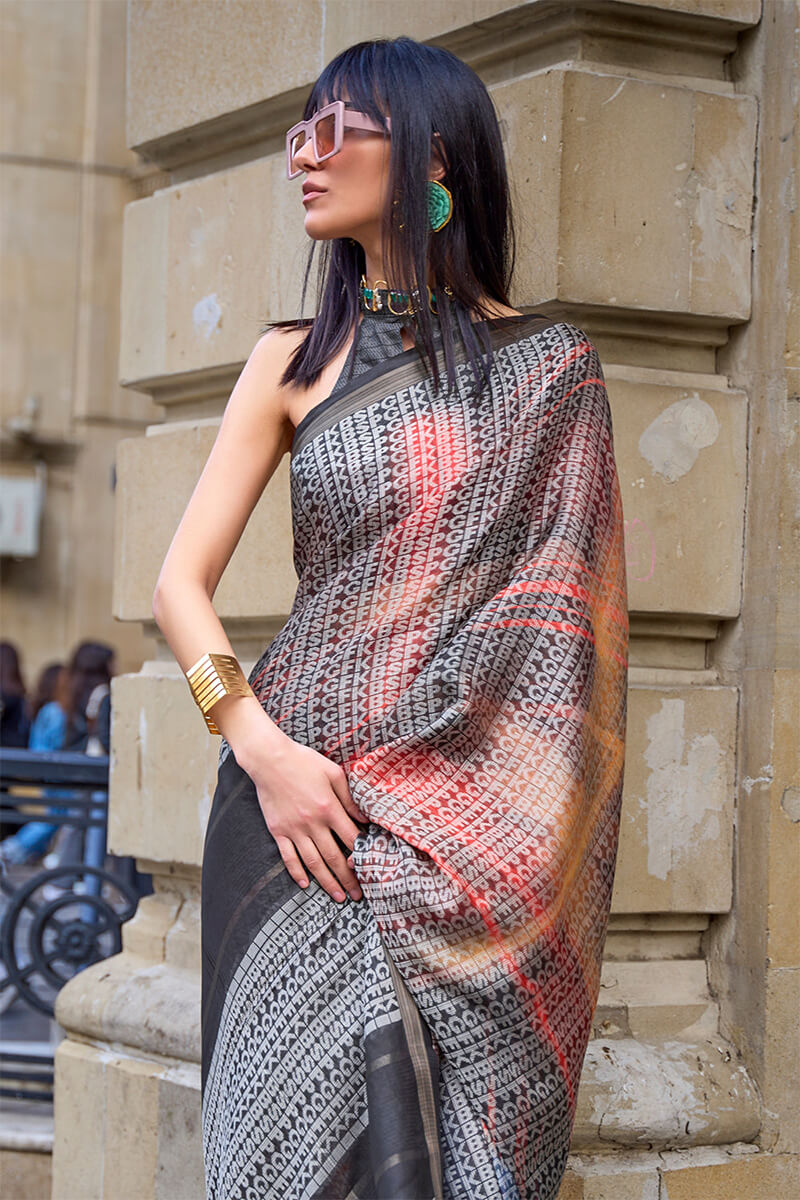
point(214, 676)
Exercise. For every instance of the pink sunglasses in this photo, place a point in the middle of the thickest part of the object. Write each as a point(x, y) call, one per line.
point(326, 129)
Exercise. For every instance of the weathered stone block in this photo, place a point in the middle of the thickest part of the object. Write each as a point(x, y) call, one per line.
point(143, 300)
point(156, 476)
point(106, 1000)
point(163, 769)
point(676, 828)
point(662, 1094)
point(146, 933)
point(97, 390)
point(255, 56)
point(781, 1084)
point(149, 1111)
point(622, 1184)
point(682, 455)
point(358, 20)
point(205, 264)
point(131, 1103)
point(79, 1105)
point(92, 521)
point(220, 60)
point(584, 146)
point(223, 67)
point(221, 254)
point(48, 64)
point(531, 115)
point(676, 833)
point(757, 1177)
point(783, 911)
point(746, 11)
point(655, 999)
point(710, 1172)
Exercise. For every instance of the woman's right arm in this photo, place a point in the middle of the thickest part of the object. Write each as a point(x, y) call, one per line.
point(303, 795)
point(252, 438)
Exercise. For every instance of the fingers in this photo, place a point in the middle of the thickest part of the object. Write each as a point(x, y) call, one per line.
point(293, 864)
point(338, 781)
point(314, 831)
point(322, 859)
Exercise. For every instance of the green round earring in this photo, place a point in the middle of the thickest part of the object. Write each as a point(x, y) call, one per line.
point(440, 205)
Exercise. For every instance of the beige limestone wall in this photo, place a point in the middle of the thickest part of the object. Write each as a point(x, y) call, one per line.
point(639, 150)
point(65, 180)
point(754, 954)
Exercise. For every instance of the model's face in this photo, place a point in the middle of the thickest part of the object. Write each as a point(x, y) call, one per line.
point(345, 196)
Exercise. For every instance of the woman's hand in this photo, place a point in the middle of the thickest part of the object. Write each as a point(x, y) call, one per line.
point(305, 800)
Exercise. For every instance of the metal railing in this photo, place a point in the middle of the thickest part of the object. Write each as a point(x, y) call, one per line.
point(56, 920)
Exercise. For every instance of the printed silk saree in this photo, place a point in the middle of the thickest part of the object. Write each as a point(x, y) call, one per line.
point(458, 642)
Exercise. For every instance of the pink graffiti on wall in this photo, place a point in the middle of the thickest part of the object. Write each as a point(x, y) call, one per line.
point(640, 550)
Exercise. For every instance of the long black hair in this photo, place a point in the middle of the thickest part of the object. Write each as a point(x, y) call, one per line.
point(89, 665)
point(425, 90)
point(51, 685)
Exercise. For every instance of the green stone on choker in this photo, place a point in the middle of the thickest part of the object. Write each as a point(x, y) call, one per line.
point(391, 301)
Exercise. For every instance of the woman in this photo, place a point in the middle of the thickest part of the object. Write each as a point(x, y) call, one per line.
point(89, 675)
point(15, 721)
point(48, 725)
point(48, 714)
point(71, 719)
point(409, 858)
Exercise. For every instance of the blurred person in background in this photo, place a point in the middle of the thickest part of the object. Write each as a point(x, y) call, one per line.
point(88, 692)
point(48, 709)
point(88, 698)
point(71, 712)
point(47, 733)
point(15, 720)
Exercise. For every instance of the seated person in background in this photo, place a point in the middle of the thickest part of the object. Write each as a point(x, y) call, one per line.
point(14, 709)
point(66, 720)
point(47, 732)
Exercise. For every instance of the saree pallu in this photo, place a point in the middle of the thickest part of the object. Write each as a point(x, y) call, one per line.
point(458, 642)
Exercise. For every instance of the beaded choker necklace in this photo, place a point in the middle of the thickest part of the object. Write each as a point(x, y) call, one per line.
point(387, 300)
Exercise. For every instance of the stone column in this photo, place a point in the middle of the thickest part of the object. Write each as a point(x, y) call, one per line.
point(633, 150)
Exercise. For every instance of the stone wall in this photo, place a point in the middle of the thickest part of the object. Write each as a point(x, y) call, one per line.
point(653, 172)
point(67, 175)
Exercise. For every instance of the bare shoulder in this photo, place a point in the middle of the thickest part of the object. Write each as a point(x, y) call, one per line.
point(275, 347)
point(267, 362)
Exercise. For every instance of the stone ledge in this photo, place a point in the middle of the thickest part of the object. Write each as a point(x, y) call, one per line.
point(195, 297)
point(198, 394)
point(660, 1093)
point(26, 1128)
point(664, 1094)
point(173, 124)
point(655, 999)
point(144, 1006)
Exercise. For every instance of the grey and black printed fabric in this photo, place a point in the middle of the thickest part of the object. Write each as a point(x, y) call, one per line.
point(458, 642)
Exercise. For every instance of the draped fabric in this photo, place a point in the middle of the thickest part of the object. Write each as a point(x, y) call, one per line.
point(458, 642)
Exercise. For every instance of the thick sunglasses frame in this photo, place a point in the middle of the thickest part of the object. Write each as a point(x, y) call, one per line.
point(343, 118)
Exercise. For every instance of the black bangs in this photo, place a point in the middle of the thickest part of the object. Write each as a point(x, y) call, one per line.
point(437, 105)
point(349, 76)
